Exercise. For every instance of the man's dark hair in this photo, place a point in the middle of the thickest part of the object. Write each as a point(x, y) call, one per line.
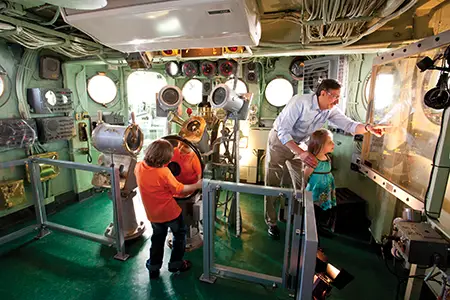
point(158, 154)
point(326, 85)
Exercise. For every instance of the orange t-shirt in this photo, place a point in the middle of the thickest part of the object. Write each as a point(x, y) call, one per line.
point(189, 164)
point(157, 187)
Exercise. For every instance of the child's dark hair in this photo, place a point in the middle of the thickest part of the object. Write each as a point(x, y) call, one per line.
point(317, 140)
point(158, 153)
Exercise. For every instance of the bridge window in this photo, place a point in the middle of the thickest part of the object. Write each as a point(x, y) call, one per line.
point(102, 89)
point(2, 86)
point(241, 87)
point(279, 91)
point(142, 88)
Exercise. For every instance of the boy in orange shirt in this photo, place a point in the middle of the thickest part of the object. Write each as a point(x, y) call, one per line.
point(157, 186)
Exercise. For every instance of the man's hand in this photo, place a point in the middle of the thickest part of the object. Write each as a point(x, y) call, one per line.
point(308, 158)
point(377, 130)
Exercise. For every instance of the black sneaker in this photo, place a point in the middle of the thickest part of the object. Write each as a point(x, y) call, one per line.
point(274, 231)
point(186, 265)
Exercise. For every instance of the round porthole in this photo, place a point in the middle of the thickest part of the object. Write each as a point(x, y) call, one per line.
point(102, 89)
point(279, 91)
point(241, 87)
point(2, 86)
point(193, 91)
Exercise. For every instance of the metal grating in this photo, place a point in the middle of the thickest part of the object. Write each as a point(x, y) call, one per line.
point(314, 74)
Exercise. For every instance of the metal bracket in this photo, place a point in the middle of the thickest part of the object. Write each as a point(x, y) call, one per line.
point(43, 232)
point(121, 256)
point(210, 279)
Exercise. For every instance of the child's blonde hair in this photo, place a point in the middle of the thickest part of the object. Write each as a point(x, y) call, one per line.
point(317, 140)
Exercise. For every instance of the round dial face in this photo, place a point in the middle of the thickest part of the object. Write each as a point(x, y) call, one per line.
point(50, 97)
point(192, 91)
point(297, 69)
point(227, 68)
point(190, 69)
point(208, 69)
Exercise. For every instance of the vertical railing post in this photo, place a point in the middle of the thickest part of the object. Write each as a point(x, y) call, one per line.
point(36, 190)
point(117, 214)
point(208, 227)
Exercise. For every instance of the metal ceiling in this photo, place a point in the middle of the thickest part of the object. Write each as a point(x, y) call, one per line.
point(287, 25)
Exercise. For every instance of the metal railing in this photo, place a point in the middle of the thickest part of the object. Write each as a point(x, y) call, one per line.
point(306, 246)
point(42, 224)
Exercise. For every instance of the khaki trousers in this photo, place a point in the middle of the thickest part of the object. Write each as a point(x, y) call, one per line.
point(276, 156)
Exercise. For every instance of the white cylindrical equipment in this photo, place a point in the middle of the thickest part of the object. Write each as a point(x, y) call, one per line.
point(170, 97)
point(114, 139)
point(226, 98)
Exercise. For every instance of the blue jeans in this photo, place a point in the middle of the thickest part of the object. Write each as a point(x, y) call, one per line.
point(178, 229)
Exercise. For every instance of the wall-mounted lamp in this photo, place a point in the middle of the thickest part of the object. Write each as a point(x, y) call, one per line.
point(168, 99)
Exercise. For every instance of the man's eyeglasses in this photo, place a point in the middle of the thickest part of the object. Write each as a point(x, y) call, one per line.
point(335, 97)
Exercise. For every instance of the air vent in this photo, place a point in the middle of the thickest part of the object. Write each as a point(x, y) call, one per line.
point(314, 74)
point(316, 70)
point(219, 12)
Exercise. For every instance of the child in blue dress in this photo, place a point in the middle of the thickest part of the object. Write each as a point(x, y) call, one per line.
point(320, 180)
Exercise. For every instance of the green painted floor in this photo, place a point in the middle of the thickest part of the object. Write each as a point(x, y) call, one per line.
point(60, 266)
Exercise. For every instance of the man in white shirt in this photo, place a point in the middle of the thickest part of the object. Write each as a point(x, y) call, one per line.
point(303, 115)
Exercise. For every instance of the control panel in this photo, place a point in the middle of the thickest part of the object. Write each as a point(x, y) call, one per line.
point(50, 101)
point(17, 133)
point(46, 171)
point(419, 243)
point(57, 128)
point(12, 193)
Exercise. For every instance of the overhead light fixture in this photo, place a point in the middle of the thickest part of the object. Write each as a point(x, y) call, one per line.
point(173, 69)
point(79, 4)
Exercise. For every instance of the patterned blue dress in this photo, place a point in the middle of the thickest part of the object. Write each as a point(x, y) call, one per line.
point(321, 184)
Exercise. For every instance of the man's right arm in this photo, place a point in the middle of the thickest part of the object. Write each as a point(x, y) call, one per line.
point(287, 120)
point(293, 112)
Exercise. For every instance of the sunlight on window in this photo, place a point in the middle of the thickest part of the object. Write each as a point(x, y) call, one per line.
point(142, 88)
point(2, 87)
point(241, 87)
point(384, 88)
point(102, 89)
point(279, 91)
